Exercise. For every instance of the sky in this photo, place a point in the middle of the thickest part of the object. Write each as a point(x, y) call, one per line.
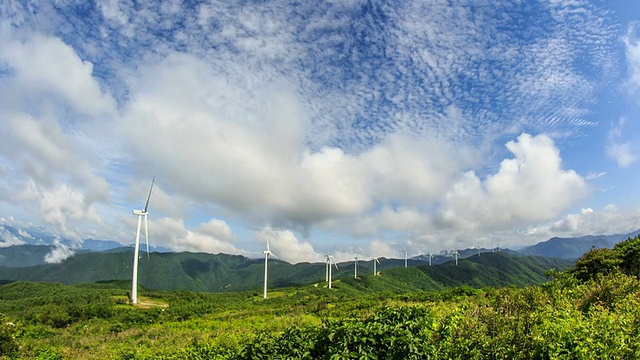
point(349, 127)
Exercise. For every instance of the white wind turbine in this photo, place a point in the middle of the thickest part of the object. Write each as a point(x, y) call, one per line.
point(406, 254)
point(326, 268)
point(478, 247)
point(375, 260)
point(266, 261)
point(330, 261)
point(141, 214)
point(355, 267)
point(455, 255)
point(430, 257)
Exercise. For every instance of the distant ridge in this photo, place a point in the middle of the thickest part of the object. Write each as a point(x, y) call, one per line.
point(573, 248)
point(208, 272)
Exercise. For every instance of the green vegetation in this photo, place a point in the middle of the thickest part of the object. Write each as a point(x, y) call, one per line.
point(208, 272)
point(570, 316)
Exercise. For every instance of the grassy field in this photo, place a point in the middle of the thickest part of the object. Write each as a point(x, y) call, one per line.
point(562, 318)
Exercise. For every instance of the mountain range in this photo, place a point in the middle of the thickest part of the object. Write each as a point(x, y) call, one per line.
point(103, 261)
point(221, 272)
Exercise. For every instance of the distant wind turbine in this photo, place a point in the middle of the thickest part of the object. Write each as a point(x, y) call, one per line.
point(141, 214)
point(430, 257)
point(330, 261)
point(478, 247)
point(355, 267)
point(406, 254)
point(326, 268)
point(266, 261)
point(455, 255)
point(375, 260)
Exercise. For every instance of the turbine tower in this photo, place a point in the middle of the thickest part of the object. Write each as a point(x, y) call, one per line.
point(330, 261)
point(406, 254)
point(266, 261)
point(375, 260)
point(326, 268)
point(355, 267)
point(136, 250)
point(430, 257)
point(455, 255)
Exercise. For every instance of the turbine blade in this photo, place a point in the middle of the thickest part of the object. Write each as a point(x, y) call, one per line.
point(146, 205)
point(146, 233)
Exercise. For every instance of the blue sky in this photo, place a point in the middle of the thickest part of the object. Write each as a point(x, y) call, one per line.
point(356, 127)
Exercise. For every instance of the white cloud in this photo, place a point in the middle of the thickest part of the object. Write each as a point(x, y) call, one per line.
point(59, 253)
point(530, 187)
point(62, 207)
point(45, 67)
point(606, 221)
point(24, 234)
point(592, 176)
point(286, 246)
point(8, 239)
point(173, 234)
point(632, 43)
point(622, 152)
point(217, 229)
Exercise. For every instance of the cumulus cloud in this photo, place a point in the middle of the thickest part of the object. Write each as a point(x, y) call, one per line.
point(589, 222)
point(286, 246)
point(256, 162)
point(532, 186)
point(46, 89)
point(44, 67)
point(172, 233)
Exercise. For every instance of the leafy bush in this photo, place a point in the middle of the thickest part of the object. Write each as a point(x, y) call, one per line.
point(8, 344)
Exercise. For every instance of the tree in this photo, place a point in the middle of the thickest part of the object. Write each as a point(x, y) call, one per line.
point(596, 261)
point(629, 255)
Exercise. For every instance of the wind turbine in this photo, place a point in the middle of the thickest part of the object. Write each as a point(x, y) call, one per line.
point(478, 247)
point(266, 261)
point(330, 260)
point(455, 255)
point(430, 257)
point(375, 260)
point(326, 268)
point(355, 267)
point(141, 214)
point(405, 257)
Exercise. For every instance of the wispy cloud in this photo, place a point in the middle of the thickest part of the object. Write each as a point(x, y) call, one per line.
point(632, 43)
point(621, 151)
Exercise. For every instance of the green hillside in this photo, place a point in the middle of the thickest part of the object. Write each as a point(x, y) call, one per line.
point(215, 273)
